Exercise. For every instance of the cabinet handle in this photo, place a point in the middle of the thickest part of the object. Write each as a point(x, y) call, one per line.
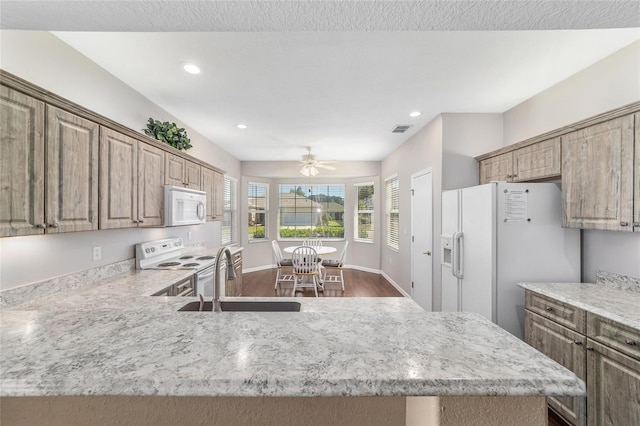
point(624, 223)
point(636, 223)
point(549, 308)
point(577, 342)
point(630, 342)
point(589, 348)
point(40, 225)
point(134, 221)
point(53, 225)
point(141, 221)
point(515, 175)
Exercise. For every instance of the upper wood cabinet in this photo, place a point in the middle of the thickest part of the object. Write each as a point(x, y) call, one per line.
point(636, 174)
point(597, 176)
point(131, 182)
point(211, 184)
point(498, 168)
point(48, 190)
point(150, 185)
point(21, 164)
point(218, 196)
point(72, 172)
point(182, 172)
point(538, 161)
point(533, 162)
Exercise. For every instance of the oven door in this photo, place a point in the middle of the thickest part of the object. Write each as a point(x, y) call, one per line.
point(204, 282)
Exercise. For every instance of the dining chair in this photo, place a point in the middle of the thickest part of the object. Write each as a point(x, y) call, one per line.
point(282, 265)
point(312, 242)
point(305, 269)
point(331, 266)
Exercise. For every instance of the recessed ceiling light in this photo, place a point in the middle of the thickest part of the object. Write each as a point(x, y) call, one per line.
point(191, 68)
point(415, 114)
point(241, 126)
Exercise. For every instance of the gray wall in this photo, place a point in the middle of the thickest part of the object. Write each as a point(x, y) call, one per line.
point(606, 85)
point(44, 60)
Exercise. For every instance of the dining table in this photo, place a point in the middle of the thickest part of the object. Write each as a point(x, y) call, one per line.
point(320, 250)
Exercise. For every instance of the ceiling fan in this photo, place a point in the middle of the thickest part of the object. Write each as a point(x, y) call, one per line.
point(310, 164)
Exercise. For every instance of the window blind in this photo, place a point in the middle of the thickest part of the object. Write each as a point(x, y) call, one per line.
point(392, 212)
point(229, 230)
point(364, 212)
point(258, 206)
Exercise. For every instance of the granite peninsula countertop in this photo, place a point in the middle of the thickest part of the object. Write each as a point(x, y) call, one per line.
point(113, 338)
point(620, 305)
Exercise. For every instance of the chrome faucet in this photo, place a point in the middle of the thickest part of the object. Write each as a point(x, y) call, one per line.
point(216, 282)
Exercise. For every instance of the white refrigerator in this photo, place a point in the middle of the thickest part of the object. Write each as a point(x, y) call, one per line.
point(499, 234)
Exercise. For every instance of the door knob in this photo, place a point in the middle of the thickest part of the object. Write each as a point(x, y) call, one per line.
point(428, 252)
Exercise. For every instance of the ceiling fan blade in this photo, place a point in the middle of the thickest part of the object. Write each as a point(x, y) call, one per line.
point(324, 166)
point(328, 161)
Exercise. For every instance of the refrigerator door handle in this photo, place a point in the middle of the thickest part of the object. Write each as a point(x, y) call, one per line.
point(455, 261)
point(460, 255)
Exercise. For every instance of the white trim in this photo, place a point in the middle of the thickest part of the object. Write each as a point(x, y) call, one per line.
point(363, 269)
point(258, 268)
point(393, 283)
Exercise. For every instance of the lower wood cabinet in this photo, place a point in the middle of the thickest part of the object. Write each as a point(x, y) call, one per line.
point(234, 287)
point(607, 358)
point(565, 347)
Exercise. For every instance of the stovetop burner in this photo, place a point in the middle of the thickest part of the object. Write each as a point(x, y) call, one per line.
point(205, 257)
point(188, 265)
point(169, 264)
point(185, 257)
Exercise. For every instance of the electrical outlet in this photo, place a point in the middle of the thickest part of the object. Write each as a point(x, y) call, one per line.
point(97, 253)
point(189, 235)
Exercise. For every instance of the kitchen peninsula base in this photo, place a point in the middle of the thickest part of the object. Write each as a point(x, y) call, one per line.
point(249, 411)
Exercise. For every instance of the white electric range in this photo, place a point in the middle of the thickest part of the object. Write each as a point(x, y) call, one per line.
point(170, 253)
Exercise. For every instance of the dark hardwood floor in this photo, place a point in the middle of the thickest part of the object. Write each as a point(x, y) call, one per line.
point(356, 284)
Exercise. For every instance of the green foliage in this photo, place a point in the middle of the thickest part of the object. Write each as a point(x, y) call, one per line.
point(258, 232)
point(168, 133)
point(319, 231)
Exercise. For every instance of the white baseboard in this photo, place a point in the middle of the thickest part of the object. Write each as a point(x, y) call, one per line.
point(257, 268)
point(363, 269)
point(393, 283)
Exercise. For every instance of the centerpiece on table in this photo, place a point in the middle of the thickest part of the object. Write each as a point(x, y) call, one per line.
point(168, 133)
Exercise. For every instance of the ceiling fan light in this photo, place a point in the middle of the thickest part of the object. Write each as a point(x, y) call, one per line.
point(308, 170)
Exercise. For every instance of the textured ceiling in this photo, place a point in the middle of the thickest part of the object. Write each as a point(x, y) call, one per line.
point(334, 75)
point(320, 15)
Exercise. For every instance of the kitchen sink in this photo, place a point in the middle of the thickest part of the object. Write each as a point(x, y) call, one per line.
point(244, 307)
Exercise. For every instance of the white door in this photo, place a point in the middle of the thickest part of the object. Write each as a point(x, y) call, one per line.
point(422, 239)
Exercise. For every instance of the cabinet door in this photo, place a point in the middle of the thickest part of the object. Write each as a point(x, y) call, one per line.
point(498, 168)
point(537, 161)
point(72, 172)
point(150, 185)
point(192, 175)
point(174, 170)
point(613, 386)
point(636, 174)
point(118, 180)
point(207, 186)
point(597, 176)
point(565, 347)
point(218, 196)
point(21, 164)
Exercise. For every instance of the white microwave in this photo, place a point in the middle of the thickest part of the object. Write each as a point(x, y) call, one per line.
point(184, 206)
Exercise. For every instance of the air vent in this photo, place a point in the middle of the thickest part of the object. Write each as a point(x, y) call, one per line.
point(401, 128)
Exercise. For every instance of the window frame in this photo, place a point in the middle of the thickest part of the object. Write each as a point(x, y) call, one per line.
point(265, 211)
point(307, 185)
point(392, 192)
point(358, 211)
point(232, 211)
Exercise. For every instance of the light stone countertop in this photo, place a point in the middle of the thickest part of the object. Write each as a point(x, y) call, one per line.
point(112, 338)
point(622, 306)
